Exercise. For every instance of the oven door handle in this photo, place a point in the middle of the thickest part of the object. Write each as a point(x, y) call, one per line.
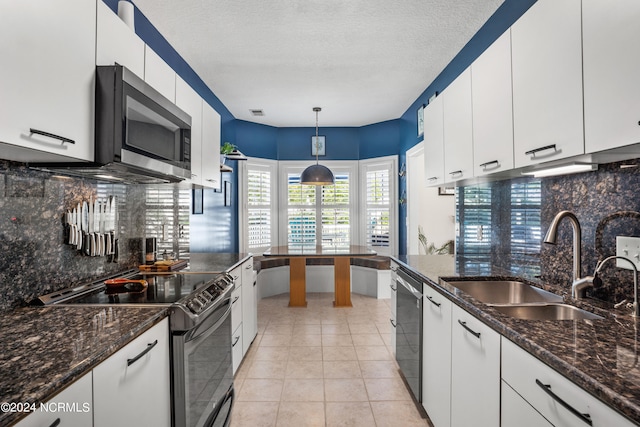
point(205, 327)
point(230, 395)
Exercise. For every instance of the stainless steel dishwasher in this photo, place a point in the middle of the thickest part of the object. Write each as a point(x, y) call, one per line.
point(409, 331)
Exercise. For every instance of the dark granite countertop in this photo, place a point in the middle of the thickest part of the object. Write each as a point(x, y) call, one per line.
point(601, 356)
point(45, 349)
point(217, 262)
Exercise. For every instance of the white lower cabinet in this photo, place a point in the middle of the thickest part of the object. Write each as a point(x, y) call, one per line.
point(236, 327)
point(436, 353)
point(475, 372)
point(394, 300)
point(552, 395)
point(132, 387)
point(516, 412)
point(77, 407)
point(249, 307)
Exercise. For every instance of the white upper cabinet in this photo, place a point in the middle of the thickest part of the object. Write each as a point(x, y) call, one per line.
point(210, 153)
point(434, 143)
point(491, 98)
point(117, 43)
point(47, 80)
point(547, 82)
point(188, 100)
point(458, 131)
point(159, 75)
point(611, 69)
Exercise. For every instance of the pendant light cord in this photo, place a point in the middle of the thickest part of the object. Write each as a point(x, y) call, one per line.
point(317, 110)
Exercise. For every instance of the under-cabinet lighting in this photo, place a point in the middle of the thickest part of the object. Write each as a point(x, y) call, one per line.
point(562, 170)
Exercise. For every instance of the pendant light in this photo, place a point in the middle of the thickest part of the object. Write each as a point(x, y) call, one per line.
point(317, 174)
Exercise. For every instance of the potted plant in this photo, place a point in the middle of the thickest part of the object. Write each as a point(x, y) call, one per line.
point(225, 149)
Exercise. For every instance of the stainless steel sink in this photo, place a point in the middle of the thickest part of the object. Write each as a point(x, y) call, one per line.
point(546, 312)
point(504, 291)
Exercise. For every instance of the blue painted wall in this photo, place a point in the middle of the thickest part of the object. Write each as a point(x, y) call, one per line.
point(375, 140)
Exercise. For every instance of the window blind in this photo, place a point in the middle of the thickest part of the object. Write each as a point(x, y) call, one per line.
point(166, 206)
point(526, 231)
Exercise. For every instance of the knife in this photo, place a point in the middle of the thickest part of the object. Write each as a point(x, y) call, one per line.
point(85, 228)
point(78, 227)
point(96, 227)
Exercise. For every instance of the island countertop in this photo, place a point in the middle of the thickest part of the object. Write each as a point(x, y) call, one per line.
point(599, 355)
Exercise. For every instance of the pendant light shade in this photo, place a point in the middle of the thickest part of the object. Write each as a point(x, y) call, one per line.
point(317, 174)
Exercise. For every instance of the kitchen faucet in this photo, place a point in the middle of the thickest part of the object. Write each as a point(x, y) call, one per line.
point(579, 286)
point(552, 235)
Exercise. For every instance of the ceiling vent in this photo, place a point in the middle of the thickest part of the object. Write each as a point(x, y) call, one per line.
point(257, 113)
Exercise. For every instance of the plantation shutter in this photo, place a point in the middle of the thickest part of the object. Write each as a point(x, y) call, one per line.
point(259, 201)
point(335, 212)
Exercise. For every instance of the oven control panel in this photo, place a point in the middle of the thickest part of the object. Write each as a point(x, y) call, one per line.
point(202, 299)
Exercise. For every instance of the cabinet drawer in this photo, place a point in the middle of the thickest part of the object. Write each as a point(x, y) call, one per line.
point(236, 308)
point(78, 395)
point(516, 412)
point(535, 382)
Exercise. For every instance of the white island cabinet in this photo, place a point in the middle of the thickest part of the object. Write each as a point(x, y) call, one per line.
point(132, 387)
point(547, 82)
point(47, 80)
point(69, 408)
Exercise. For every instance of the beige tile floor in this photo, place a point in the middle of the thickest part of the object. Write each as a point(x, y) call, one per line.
point(322, 366)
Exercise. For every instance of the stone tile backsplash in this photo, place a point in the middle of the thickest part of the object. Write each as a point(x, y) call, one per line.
point(34, 257)
point(605, 202)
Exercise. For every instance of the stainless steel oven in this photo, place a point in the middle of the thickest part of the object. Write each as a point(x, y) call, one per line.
point(200, 326)
point(409, 331)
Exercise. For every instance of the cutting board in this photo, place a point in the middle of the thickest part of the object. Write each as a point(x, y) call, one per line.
point(165, 265)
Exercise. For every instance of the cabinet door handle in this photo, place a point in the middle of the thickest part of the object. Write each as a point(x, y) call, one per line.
point(535, 151)
point(547, 389)
point(235, 299)
point(211, 180)
point(492, 162)
point(471, 331)
point(51, 135)
point(458, 172)
point(392, 323)
point(249, 267)
point(145, 351)
point(393, 289)
point(433, 178)
point(437, 304)
point(56, 423)
point(235, 341)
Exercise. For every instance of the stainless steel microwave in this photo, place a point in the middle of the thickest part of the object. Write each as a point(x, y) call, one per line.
point(140, 136)
point(138, 127)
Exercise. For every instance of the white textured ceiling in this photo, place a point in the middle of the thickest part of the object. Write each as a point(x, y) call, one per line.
point(362, 61)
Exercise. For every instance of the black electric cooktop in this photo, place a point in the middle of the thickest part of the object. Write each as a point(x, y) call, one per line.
point(160, 289)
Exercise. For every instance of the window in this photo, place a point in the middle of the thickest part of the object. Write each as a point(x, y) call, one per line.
point(332, 216)
point(319, 215)
point(526, 231)
point(474, 222)
point(166, 206)
point(378, 203)
point(259, 218)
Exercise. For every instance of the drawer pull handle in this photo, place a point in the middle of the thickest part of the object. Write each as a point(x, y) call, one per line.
point(535, 151)
point(249, 267)
point(145, 351)
point(235, 299)
point(393, 289)
point(437, 304)
point(56, 423)
point(392, 323)
point(51, 135)
point(471, 331)
point(485, 165)
point(235, 341)
point(547, 389)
